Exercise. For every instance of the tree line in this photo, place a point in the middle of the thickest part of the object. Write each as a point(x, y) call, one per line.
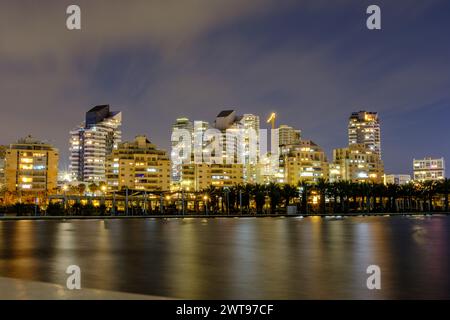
point(322, 197)
point(326, 197)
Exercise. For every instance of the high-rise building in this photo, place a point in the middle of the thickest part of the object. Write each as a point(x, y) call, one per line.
point(183, 123)
point(180, 124)
point(429, 169)
point(31, 166)
point(229, 124)
point(239, 142)
point(357, 164)
point(364, 129)
point(305, 162)
point(138, 165)
point(92, 142)
point(288, 136)
point(240, 139)
point(195, 131)
point(251, 126)
point(225, 119)
point(198, 142)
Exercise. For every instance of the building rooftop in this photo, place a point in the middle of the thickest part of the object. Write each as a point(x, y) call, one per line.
point(98, 114)
point(224, 113)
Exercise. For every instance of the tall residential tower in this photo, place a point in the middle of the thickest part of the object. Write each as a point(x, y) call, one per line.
point(364, 128)
point(92, 142)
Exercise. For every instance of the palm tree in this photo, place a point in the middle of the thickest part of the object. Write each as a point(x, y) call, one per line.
point(392, 191)
point(305, 190)
point(93, 187)
point(322, 186)
point(365, 191)
point(407, 192)
point(233, 197)
point(429, 190)
point(343, 190)
point(81, 189)
point(274, 193)
point(334, 193)
point(288, 192)
point(444, 189)
point(379, 192)
point(246, 194)
point(211, 195)
point(354, 193)
point(258, 192)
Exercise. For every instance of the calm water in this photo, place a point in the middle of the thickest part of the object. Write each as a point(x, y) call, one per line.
point(254, 258)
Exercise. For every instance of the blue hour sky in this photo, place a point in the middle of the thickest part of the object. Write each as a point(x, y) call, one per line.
point(313, 62)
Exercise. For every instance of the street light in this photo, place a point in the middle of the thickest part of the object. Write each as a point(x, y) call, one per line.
point(65, 188)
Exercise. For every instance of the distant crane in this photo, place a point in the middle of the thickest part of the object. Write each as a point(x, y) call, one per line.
point(271, 119)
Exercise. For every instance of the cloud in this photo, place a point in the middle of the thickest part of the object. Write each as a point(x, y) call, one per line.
point(312, 61)
point(37, 29)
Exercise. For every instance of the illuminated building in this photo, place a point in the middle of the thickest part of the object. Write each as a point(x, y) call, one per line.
point(31, 166)
point(358, 164)
point(180, 124)
point(399, 179)
point(196, 131)
point(335, 172)
point(228, 123)
point(429, 169)
point(138, 165)
point(364, 128)
point(2, 167)
point(199, 176)
point(270, 169)
point(251, 125)
point(238, 139)
point(288, 136)
point(305, 162)
point(92, 142)
point(239, 135)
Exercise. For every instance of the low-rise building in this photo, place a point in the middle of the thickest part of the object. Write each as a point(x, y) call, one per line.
point(357, 163)
point(335, 172)
point(199, 176)
point(399, 179)
point(138, 165)
point(31, 166)
point(429, 169)
point(305, 162)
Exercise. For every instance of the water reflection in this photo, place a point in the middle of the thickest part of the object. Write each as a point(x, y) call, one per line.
point(264, 258)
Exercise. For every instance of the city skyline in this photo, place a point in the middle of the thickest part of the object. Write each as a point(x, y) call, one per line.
point(111, 114)
point(314, 73)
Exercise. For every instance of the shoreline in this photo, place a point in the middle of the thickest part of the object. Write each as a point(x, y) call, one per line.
point(196, 216)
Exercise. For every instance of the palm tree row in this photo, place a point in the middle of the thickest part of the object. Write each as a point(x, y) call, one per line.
point(331, 197)
point(321, 197)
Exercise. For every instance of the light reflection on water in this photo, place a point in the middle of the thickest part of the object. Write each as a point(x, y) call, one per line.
point(255, 258)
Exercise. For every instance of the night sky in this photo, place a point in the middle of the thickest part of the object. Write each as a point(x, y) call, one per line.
point(313, 62)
